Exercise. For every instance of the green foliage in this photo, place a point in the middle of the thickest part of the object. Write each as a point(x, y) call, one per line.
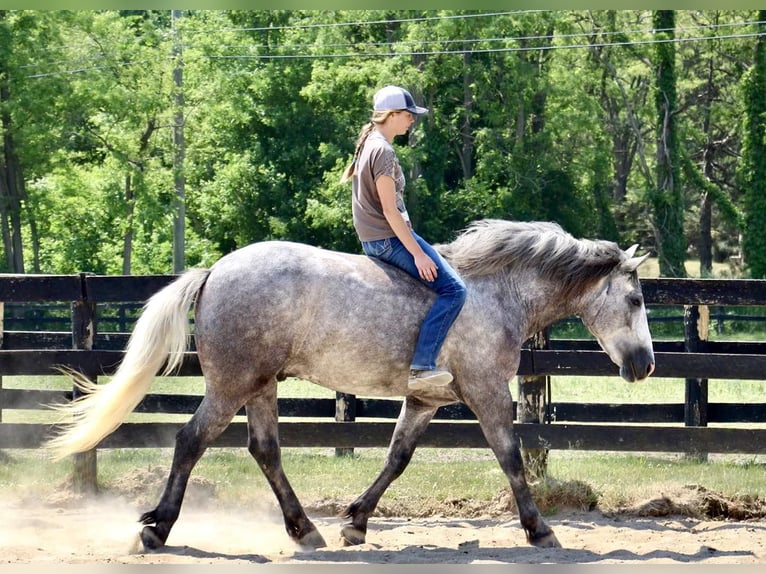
point(667, 196)
point(534, 115)
point(753, 172)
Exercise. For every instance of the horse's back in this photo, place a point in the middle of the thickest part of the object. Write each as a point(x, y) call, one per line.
point(311, 277)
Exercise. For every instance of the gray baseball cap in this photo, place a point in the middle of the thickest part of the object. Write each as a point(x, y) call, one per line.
point(396, 98)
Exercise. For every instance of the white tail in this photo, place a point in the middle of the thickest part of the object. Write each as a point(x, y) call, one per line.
point(160, 334)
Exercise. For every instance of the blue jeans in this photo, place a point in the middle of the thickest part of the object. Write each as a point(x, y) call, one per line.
point(449, 288)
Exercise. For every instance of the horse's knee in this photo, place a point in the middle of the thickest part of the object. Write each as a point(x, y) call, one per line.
point(265, 452)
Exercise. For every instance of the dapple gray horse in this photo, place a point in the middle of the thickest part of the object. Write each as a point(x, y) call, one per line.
point(273, 310)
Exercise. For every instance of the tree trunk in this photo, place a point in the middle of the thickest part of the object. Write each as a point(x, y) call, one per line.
point(10, 190)
point(4, 217)
point(705, 246)
point(179, 152)
point(667, 197)
point(127, 239)
point(754, 158)
point(466, 129)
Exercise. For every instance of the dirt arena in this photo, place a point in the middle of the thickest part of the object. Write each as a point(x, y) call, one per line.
point(666, 530)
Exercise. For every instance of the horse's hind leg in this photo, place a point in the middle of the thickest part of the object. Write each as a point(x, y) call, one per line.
point(210, 420)
point(495, 417)
point(263, 444)
point(413, 420)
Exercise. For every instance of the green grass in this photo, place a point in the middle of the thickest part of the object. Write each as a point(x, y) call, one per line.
point(652, 390)
point(434, 477)
point(651, 268)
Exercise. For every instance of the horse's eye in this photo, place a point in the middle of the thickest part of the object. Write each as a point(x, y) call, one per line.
point(636, 299)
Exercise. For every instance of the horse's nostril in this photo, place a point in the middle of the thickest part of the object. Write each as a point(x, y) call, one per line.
point(650, 370)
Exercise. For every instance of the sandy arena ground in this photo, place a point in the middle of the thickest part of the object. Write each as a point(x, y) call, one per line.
point(45, 535)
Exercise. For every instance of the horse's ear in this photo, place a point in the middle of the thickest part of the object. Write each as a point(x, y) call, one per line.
point(631, 251)
point(633, 263)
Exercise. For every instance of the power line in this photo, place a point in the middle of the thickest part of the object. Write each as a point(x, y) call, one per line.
point(463, 42)
point(467, 41)
point(365, 22)
point(507, 49)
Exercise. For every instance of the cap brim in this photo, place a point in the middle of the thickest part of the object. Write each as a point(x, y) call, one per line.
point(417, 110)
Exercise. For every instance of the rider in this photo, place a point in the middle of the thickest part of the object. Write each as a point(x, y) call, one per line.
point(385, 231)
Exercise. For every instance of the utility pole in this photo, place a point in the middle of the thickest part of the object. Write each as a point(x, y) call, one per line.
point(179, 147)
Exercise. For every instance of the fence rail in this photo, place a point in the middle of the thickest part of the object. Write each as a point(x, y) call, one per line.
point(655, 427)
point(116, 318)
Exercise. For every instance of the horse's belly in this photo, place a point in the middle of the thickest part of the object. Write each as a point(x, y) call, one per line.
point(339, 372)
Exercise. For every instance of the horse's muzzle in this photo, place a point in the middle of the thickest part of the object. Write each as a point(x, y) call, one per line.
point(637, 368)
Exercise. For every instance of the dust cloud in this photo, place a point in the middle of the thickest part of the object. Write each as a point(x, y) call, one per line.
point(58, 528)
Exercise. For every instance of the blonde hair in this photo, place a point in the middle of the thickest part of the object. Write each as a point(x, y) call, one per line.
point(378, 117)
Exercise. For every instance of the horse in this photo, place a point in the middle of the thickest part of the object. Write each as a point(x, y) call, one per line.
point(278, 309)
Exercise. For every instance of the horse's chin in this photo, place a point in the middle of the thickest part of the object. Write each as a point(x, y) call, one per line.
point(627, 375)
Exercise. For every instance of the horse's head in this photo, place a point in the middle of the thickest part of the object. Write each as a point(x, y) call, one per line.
point(615, 314)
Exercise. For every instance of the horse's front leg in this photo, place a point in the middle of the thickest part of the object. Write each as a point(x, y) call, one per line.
point(494, 410)
point(413, 420)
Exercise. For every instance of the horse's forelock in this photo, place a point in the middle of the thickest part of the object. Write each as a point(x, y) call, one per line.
point(489, 246)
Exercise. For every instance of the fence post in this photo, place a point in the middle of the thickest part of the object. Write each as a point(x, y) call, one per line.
point(345, 411)
point(83, 334)
point(531, 408)
point(696, 329)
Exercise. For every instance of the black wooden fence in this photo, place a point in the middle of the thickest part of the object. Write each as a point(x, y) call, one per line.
point(684, 426)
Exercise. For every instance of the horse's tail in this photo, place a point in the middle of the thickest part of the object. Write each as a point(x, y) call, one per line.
point(160, 334)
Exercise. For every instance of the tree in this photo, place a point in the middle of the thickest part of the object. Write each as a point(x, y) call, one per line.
point(27, 126)
point(11, 175)
point(667, 197)
point(754, 157)
point(709, 112)
point(621, 84)
point(535, 115)
point(119, 111)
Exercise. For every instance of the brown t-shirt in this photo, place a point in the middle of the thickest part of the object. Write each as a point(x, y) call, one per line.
point(377, 158)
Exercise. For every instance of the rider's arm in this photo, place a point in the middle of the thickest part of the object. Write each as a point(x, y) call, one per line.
point(387, 193)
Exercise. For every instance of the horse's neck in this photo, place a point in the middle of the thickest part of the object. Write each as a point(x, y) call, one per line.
point(542, 302)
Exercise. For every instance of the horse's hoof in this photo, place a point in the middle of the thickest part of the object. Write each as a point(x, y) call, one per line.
point(351, 536)
point(312, 540)
point(136, 546)
point(150, 540)
point(546, 541)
